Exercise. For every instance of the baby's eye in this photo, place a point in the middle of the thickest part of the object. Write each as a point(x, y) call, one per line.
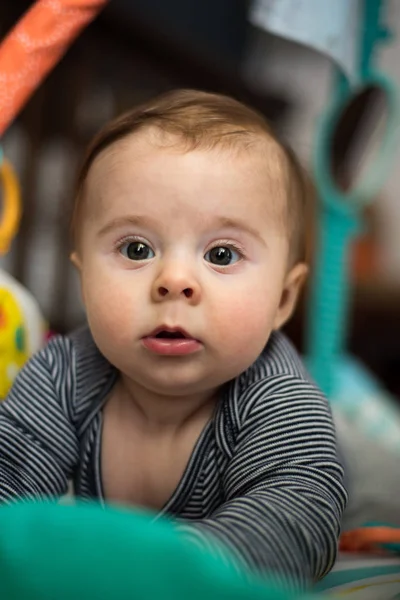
point(136, 251)
point(222, 256)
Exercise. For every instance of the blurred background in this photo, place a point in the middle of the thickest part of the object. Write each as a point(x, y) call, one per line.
point(136, 49)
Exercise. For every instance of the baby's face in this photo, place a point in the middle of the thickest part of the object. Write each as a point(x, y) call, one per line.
point(191, 245)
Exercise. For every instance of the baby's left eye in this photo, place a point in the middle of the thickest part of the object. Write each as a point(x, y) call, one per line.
point(222, 256)
point(136, 251)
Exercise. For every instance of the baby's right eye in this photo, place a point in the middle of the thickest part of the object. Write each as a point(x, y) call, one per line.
point(136, 251)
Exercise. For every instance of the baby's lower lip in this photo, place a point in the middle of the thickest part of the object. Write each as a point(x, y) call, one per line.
point(171, 346)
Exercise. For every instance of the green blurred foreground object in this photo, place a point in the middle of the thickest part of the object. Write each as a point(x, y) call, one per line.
point(52, 552)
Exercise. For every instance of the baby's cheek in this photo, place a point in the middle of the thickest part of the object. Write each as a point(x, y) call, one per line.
point(107, 306)
point(244, 322)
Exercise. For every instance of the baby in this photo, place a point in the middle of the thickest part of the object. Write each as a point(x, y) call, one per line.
point(182, 395)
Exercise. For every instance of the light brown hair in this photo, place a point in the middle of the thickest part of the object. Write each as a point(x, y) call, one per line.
point(204, 120)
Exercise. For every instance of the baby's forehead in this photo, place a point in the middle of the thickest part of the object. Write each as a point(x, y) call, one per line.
point(147, 157)
point(260, 153)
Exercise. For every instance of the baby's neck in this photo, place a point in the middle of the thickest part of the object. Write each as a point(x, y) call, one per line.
point(157, 412)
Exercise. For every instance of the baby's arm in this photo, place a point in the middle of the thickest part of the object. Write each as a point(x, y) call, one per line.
point(38, 442)
point(283, 486)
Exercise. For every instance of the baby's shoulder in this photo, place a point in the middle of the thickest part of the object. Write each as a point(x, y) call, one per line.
point(72, 352)
point(279, 359)
point(79, 370)
point(275, 391)
point(277, 378)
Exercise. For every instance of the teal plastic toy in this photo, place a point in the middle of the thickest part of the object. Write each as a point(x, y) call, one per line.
point(340, 219)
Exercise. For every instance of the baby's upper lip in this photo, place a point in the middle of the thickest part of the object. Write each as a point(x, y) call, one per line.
point(169, 329)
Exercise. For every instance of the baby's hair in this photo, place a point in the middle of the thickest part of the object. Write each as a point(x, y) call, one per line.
point(201, 120)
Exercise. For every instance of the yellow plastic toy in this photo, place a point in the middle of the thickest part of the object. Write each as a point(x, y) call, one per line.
point(22, 327)
point(13, 351)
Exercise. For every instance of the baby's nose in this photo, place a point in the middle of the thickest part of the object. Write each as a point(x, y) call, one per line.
point(175, 283)
point(163, 291)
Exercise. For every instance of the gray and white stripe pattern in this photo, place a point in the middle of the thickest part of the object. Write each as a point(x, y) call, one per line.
point(264, 479)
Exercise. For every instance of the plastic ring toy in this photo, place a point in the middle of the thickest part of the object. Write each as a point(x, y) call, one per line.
point(11, 212)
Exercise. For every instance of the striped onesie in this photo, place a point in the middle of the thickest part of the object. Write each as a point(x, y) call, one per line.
point(264, 479)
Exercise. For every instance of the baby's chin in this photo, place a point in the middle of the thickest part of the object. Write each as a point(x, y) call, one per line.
point(179, 387)
point(175, 381)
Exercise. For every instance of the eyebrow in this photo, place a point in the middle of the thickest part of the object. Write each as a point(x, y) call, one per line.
point(142, 221)
point(227, 223)
point(128, 220)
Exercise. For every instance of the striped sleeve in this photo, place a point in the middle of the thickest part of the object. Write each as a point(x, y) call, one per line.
point(283, 488)
point(38, 443)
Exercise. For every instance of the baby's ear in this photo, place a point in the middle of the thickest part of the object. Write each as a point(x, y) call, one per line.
point(76, 261)
point(290, 293)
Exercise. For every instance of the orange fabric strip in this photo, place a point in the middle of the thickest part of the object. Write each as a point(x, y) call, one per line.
point(35, 45)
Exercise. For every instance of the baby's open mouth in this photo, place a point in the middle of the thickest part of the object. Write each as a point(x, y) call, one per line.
point(170, 335)
point(171, 341)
